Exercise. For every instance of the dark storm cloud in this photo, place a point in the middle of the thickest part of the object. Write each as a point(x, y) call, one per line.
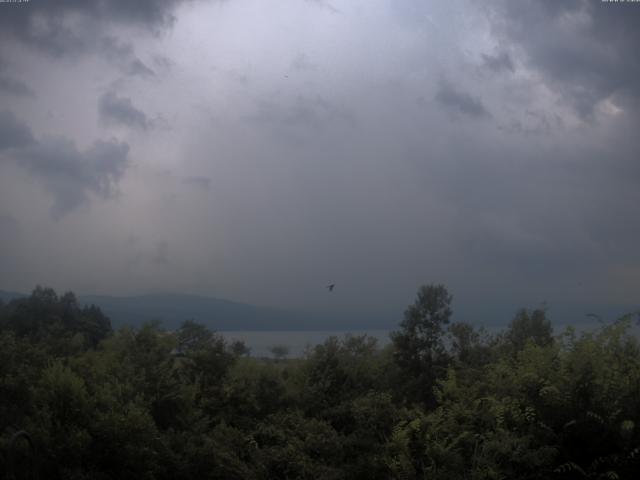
point(76, 26)
point(499, 62)
point(123, 55)
point(151, 13)
point(70, 175)
point(137, 67)
point(460, 102)
point(15, 87)
point(587, 50)
point(120, 110)
point(13, 133)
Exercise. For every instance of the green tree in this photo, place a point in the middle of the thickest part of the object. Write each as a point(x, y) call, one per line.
point(529, 326)
point(470, 346)
point(279, 352)
point(59, 323)
point(419, 347)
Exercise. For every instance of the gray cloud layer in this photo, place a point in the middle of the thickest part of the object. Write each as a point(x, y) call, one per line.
point(203, 183)
point(15, 87)
point(298, 155)
point(49, 26)
point(499, 62)
point(68, 174)
point(460, 102)
point(13, 133)
point(71, 175)
point(120, 110)
point(75, 27)
point(586, 49)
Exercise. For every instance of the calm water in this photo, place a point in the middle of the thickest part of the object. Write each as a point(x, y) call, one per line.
point(296, 341)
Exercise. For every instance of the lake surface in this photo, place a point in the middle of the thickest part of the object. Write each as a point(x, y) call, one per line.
point(260, 342)
point(296, 341)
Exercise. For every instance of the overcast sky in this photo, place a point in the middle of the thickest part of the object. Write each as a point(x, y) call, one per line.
point(259, 150)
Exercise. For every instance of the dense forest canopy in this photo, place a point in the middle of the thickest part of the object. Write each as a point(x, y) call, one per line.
point(443, 400)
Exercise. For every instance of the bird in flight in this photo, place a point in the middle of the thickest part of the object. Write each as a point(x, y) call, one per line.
point(330, 287)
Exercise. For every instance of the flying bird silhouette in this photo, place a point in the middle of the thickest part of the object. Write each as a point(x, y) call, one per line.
point(330, 287)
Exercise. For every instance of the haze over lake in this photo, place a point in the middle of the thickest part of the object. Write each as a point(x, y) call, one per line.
point(297, 342)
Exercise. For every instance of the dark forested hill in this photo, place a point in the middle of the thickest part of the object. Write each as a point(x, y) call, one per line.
point(173, 309)
point(218, 314)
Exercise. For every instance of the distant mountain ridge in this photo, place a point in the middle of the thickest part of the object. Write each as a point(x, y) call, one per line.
point(8, 296)
point(172, 309)
point(224, 315)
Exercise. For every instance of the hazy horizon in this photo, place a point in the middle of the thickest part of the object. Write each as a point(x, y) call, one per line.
point(258, 151)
